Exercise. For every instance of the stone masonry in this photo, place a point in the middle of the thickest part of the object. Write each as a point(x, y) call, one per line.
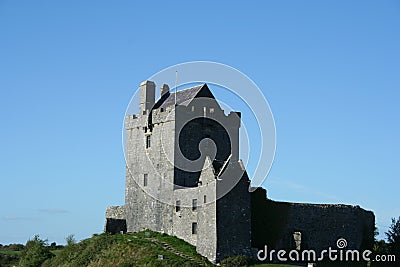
point(184, 178)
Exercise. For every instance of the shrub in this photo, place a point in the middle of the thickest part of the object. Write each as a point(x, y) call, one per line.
point(70, 240)
point(35, 253)
point(14, 247)
point(8, 260)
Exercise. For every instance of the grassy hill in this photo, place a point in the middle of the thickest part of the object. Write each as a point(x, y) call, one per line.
point(131, 249)
point(120, 250)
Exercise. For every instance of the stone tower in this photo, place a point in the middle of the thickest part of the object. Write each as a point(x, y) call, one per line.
point(184, 178)
point(183, 173)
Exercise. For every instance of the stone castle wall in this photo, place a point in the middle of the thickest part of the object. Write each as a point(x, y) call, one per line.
point(320, 225)
point(145, 205)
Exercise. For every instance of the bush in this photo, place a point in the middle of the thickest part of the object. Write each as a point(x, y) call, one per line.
point(14, 247)
point(70, 240)
point(8, 260)
point(236, 261)
point(35, 253)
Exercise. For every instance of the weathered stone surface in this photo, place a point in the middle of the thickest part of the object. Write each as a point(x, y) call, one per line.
point(115, 220)
point(159, 140)
point(116, 212)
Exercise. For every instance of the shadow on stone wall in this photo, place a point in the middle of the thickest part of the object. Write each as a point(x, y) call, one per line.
point(317, 226)
point(268, 221)
point(115, 225)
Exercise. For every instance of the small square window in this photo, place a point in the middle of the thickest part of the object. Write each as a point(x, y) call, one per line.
point(148, 141)
point(194, 204)
point(194, 228)
point(178, 205)
point(211, 110)
point(145, 178)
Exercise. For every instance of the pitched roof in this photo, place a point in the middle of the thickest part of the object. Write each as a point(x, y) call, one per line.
point(183, 97)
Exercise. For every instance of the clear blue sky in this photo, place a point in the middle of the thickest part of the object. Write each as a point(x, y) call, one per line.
point(329, 69)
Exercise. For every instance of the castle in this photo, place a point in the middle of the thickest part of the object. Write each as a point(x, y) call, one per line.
point(184, 178)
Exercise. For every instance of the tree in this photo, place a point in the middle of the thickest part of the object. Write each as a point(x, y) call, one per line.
point(70, 240)
point(380, 247)
point(35, 253)
point(376, 233)
point(53, 245)
point(393, 237)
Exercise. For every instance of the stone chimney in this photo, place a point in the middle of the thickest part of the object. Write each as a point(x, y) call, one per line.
point(164, 89)
point(147, 96)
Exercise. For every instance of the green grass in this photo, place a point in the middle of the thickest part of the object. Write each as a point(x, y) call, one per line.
point(56, 251)
point(131, 249)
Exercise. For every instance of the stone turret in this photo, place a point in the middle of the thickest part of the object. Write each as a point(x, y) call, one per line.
point(164, 89)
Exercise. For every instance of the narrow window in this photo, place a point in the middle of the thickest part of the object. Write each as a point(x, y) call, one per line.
point(148, 141)
point(194, 204)
point(297, 240)
point(144, 112)
point(178, 205)
point(194, 228)
point(192, 108)
point(205, 198)
point(145, 177)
